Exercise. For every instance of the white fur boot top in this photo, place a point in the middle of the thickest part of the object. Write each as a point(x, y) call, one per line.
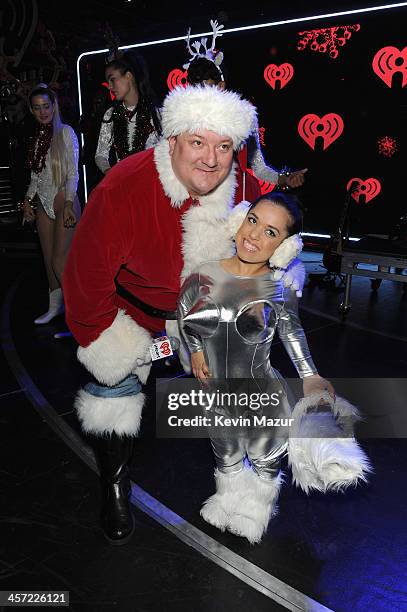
point(217, 509)
point(256, 507)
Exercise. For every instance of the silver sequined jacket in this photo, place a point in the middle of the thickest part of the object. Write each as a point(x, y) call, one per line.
point(105, 141)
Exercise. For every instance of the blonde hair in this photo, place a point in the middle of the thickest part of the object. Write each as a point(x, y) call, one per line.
point(58, 147)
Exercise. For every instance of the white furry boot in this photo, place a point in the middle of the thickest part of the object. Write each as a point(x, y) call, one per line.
point(252, 515)
point(56, 307)
point(217, 509)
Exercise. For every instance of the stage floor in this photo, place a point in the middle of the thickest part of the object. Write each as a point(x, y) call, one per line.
point(339, 551)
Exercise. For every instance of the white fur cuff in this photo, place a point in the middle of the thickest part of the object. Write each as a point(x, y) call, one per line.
point(118, 351)
point(105, 415)
point(332, 462)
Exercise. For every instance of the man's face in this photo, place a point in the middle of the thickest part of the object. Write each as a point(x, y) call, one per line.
point(201, 161)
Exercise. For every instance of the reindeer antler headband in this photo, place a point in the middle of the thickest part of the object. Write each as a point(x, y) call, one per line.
point(113, 42)
point(201, 49)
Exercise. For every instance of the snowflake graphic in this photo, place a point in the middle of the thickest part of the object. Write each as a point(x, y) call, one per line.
point(327, 39)
point(387, 146)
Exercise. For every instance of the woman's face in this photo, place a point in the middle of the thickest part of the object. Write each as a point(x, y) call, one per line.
point(120, 84)
point(263, 230)
point(42, 108)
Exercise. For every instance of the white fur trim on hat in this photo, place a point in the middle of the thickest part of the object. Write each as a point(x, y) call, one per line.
point(203, 107)
point(105, 415)
point(118, 352)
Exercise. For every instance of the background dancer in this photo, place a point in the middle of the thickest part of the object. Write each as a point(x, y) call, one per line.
point(205, 66)
point(53, 161)
point(132, 124)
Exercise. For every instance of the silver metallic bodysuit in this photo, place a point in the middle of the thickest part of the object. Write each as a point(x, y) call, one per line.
point(233, 319)
point(43, 184)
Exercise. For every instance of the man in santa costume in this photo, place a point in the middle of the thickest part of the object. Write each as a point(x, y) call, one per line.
point(154, 217)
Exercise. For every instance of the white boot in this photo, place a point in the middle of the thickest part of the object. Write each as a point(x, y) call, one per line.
point(252, 515)
point(217, 509)
point(56, 307)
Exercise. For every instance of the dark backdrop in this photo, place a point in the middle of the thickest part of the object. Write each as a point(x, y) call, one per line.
point(345, 85)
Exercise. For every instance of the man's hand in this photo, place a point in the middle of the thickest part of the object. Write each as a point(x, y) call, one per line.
point(315, 384)
point(199, 367)
point(69, 215)
point(293, 180)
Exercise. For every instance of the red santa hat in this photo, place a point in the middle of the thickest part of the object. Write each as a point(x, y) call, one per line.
point(203, 107)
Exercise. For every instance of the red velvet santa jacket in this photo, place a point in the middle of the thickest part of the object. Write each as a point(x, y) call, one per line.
point(141, 227)
point(130, 231)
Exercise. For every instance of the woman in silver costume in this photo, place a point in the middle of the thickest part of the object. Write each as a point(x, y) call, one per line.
point(229, 311)
point(53, 160)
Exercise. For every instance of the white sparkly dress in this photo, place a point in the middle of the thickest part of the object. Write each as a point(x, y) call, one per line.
point(43, 185)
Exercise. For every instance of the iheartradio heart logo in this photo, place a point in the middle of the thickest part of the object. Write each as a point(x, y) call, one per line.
point(280, 75)
point(265, 187)
point(329, 128)
point(177, 78)
point(365, 190)
point(388, 61)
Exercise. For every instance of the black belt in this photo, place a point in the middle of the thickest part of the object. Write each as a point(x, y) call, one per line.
point(149, 310)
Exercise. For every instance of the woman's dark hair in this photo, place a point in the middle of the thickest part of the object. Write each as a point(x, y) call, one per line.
point(202, 69)
point(290, 204)
point(136, 65)
point(42, 90)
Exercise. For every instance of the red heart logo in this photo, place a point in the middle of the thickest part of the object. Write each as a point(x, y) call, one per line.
point(369, 188)
point(281, 74)
point(265, 187)
point(388, 61)
point(177, 78)
point(329, 127)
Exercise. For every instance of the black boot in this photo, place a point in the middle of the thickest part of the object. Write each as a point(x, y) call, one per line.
point(113, 453)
